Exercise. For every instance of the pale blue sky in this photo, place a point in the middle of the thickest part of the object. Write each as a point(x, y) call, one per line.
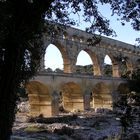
point(124, 34)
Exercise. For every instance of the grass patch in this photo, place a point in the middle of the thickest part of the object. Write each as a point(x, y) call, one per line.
point(33, 129)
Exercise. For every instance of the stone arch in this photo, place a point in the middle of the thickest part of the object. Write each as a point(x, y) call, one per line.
point(115, 66)
point(65, 57)
point(72, 97)
point(94, 59)
point(129, 64)
point(39, 99)
point(102, 96)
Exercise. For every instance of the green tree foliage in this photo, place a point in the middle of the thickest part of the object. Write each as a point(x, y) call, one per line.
point(58, 70)
point(128, 103)
point(20, 40)
point(127, 10)
point(107, 70)
point(87, 69)
point(22, 94)
point(124, 112)
point(21, 29)
point(134, 81)
point(134, 87)
point(49, 70)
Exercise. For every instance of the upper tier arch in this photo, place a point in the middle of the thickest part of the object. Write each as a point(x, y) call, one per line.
point(72, 41)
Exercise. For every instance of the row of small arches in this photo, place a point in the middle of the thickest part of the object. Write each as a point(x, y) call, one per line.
point(70, 96)
point(54, 60)
point(53, 63)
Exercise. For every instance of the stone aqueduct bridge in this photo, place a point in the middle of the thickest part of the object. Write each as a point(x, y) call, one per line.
point(47, 91)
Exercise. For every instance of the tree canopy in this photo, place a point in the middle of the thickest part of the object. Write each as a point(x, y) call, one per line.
point(134, 81)
point(21, 27)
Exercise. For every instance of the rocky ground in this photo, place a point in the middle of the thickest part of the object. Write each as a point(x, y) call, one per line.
point(87, 125)
point(78, 126)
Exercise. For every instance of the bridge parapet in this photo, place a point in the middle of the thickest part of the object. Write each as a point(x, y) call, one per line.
point(84, 76)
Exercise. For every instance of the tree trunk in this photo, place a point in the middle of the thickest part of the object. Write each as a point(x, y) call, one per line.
point(24, 19)
point(8, 85)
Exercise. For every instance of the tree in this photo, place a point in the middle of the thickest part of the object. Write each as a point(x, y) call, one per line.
point(58, 70)
point(128, 11)
point(134, 87)
point(134, 80)
point(107, 70)
point(87, 69)
point(49, 70)
point(21, 29)
point(128, 103)
point(20, 32)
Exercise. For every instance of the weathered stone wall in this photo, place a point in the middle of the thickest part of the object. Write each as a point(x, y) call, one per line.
point(80, 92)
point(73, 41)
point(39, 99)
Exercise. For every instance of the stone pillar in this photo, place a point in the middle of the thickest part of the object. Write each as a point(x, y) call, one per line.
point(101, 64)
point(67, 68)
point(73, 67)
point(55, 103)
point(86, 100)
point(115, 70)
point(96, 65)
point(97, 71)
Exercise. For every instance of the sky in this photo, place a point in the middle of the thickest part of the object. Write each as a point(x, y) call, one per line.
point(124, 34)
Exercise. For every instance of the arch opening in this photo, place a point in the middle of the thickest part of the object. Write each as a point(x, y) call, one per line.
point(39, 99)
point(101, 96)
point(71, 97)
point(56, 59)
point(53, 64)
point(107, 69)
point(87, 63)
point(111, 67)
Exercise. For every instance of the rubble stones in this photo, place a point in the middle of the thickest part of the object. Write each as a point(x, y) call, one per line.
point(87, 125)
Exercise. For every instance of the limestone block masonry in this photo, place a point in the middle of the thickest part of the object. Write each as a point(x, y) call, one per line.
point(48, 92)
